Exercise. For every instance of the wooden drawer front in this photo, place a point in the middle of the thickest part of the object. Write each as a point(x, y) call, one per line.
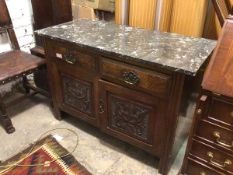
point(77, 94)
point(197, 168)
point(151, 82)
point(65, 54)
point(212, 156)
point(215, 134)
point(221, 111)
point(130, 115)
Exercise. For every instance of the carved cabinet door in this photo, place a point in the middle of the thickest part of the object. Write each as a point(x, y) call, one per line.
point(78, 97)
point(75, 94)
point(72, 75)
point(130, 115)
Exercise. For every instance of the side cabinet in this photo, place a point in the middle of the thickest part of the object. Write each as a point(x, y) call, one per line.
point(133, 103)
point(130, 115)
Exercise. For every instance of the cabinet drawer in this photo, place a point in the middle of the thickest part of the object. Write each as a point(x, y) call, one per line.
point(212, 156)
point(197, 168)
point(149, 81)
point(216, 134)
point(221, 111)
point(65, 54)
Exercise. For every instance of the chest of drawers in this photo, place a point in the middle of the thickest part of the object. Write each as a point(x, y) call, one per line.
point(211, 141)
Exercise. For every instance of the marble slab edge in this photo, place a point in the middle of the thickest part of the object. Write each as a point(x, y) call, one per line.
point(124, 58)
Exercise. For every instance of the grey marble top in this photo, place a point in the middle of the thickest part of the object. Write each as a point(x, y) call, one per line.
point(171, 51)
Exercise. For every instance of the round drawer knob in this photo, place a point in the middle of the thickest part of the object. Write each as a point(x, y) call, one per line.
point(231, 114)
point(199, 111)
point(203, 173)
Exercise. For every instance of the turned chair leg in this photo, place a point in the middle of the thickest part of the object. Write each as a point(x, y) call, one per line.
point(25, 83)
point(5, 120)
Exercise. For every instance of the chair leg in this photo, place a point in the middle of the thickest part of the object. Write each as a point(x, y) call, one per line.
point(25, 83)
point(5, 120)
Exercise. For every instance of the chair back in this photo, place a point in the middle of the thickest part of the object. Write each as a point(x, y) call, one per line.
point(219, 73)
point(6, 25)
point(222, 9)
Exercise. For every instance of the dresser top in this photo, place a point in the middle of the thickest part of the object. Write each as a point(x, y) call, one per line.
point(170, 51)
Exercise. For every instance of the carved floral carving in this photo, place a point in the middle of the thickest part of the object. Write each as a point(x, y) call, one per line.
point(77, 94)
point(129, 117)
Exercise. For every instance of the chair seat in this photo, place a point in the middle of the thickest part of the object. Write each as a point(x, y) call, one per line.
point(16, 63)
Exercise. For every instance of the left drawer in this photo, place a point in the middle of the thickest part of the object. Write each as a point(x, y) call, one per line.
point(67, 54)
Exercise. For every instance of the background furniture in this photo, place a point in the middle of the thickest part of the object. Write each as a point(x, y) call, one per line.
point(47, 13)
point(223, 9)
point(193, 18)
point(142, 14)
point(14, 64)
point(210, 146)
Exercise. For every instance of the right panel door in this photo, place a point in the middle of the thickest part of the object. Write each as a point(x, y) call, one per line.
point(132, 116)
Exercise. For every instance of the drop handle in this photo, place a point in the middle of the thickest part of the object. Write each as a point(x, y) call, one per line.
point(70, 58)
point(226, 163)
point(217, 135)
point(130, 78)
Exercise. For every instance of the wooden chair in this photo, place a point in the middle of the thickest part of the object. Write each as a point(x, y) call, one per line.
point(14, 64)
point(223, 10)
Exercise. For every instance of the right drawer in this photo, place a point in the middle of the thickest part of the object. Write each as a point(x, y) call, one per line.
point(212, 156)
point(149, 81)
point(197, 168)
point(216, 134)
point(221, 111)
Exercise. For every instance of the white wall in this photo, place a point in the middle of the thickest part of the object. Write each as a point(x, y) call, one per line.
point(22, 19)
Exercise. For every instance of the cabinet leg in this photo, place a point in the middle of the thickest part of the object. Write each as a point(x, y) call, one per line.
point(163, 166)
point(5, 120)
point(57, 113)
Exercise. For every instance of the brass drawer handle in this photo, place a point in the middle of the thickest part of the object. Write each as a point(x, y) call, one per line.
point(227, 162)
point(70, 58)
point(217, 135)
point(101, 107)
point(202, 173)
point(130, 78)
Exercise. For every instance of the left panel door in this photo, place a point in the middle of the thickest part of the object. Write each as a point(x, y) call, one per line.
point(72, 84)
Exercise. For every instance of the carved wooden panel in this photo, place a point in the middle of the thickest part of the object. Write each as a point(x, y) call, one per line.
point(129, 117)
point(77, 94)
